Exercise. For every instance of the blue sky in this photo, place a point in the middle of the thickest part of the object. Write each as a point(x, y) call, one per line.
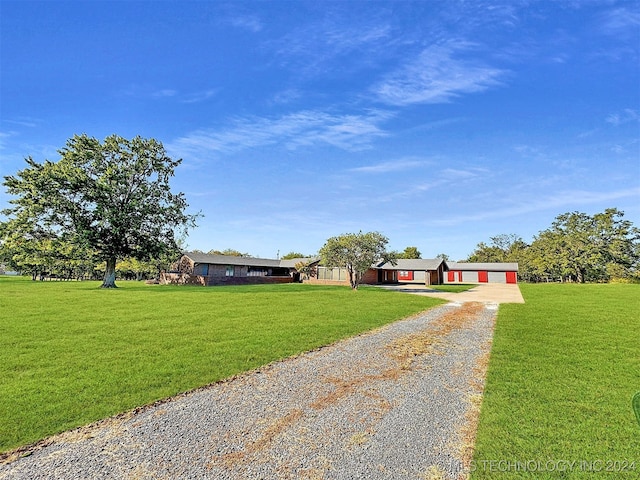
point(437, 123)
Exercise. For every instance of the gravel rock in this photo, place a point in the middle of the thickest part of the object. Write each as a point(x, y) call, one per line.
point(398, 402)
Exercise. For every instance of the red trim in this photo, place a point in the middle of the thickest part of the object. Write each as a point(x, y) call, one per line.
point(512, 277)
point(405, 275)
point(483, 277)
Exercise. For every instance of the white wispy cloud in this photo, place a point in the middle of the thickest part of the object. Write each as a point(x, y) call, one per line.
point(413, 186)
point(460, 174)
point(437, 75)
point(22, 122)
point(161, 94)
point(351, 132)
point(315, 48)
point(285, 96)
point(621, 20)
point(330, 38)
point(435, 124)
point(568, 199)
point(4, 136)
point(245, 22)
point(200, 96)
point(164, 93)
point(391, 166)
point(628, 115)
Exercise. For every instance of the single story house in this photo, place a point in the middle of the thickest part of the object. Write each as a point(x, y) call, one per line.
point(206, 269)
point(424, 271)
point(421, 270)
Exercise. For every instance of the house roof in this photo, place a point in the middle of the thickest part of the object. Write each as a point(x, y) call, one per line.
point(231, 260)
point(488, 267)
point(244, 261)
point(424, 264)
point(411, 264)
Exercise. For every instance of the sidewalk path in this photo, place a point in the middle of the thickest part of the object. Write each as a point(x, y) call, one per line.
point(400, 402)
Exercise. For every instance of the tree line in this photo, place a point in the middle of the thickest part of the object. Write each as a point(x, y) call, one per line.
point(576, 248)
point(51, 259)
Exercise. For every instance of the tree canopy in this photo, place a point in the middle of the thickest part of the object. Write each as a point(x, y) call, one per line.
point(577, 247)
point(410, 253)
point(292, 255)
point(356, 252)
point(229, 251)
point(111, 198)
point(583, 248)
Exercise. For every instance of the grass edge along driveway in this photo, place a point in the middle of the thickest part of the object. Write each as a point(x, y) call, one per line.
point(71, 353)
point(563, 369)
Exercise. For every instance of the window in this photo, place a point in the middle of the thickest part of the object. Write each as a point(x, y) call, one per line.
point(230, 271)
point(324, 273)
point(201, 269)
point(256, 272)
point(334, 274)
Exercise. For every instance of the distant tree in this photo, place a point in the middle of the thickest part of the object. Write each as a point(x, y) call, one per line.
point(356, 252)
point(229, 251)
point(41, 253)
point(410, 253)
point(509, 248)
point(443, 256)
point(583, 248)
point(503, 248)
point(292, 255)
point(114, 197)
point(164, 262)
point(486, 253)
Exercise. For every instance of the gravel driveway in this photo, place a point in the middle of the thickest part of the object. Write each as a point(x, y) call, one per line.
point(398, 402)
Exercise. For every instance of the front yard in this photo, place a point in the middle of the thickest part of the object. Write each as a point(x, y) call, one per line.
point(71, 353)
point(563, 369)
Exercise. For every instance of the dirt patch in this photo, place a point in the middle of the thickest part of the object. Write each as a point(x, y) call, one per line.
point(230, 459)
point(406, 348)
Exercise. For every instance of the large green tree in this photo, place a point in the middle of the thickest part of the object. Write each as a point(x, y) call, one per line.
point(113, 197)
point(356, 252)
point(584, 248)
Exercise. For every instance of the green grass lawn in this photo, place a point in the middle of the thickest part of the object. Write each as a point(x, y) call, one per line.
point(563, 370)
point(71, 353)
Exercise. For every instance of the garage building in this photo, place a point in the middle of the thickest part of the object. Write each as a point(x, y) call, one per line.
point(463, 272)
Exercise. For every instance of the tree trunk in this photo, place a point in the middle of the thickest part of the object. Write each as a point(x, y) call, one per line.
point(353, 281)
point(110, 274)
